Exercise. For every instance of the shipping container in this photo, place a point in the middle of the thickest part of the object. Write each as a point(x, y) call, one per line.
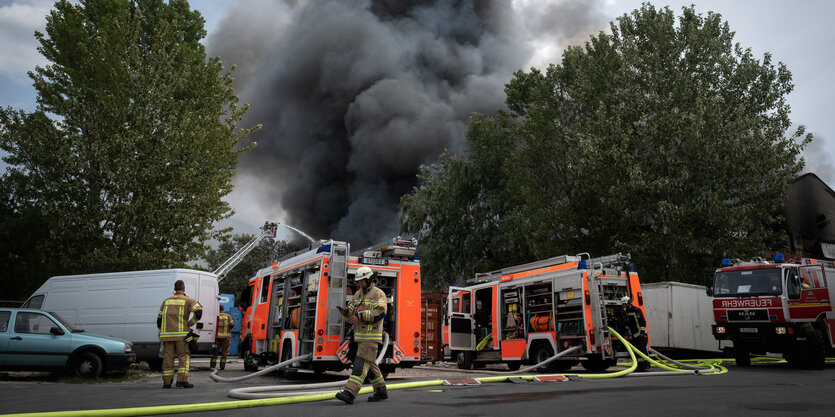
point(679, 316)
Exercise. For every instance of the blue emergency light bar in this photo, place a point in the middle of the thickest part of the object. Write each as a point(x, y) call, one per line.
point(581, 264)
point(726, 262)
point(778, 258)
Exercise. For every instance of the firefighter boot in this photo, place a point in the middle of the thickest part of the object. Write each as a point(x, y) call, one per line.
point(380, 394)
point(185, 384)
point(345, 396)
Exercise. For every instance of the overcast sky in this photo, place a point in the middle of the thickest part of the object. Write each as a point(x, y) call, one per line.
point(795, 32)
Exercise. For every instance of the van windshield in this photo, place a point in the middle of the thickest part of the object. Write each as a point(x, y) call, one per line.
point(35, 302)
point(66, 323)
point(748, 282)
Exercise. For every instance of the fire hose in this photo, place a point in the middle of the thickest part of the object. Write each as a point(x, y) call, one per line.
point(269, 400)
point(270, 391)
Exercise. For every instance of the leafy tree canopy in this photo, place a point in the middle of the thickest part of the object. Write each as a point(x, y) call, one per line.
point(124, 163)
point(663, 139)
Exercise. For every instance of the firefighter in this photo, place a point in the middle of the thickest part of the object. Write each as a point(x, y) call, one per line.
point(365, 312)
point(636, 327)
point(176, 316)
point(224, 332)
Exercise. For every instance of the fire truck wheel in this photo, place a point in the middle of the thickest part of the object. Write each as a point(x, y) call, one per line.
point(514, 366)
point(465, 360)
point(811, 354)
point(250, 362)
point(540, 353)
point(741, 355)
point(598, 364)
point(286, 356)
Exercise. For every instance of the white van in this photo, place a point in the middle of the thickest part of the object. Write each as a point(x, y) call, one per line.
point(126, 304)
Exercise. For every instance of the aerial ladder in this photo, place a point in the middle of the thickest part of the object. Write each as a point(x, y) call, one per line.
point(268, 229)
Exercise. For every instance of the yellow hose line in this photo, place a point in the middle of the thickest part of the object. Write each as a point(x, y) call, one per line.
point(230, 405)
point(225, 405)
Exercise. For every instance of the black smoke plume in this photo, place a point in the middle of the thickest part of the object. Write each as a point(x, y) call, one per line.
point(355, 95)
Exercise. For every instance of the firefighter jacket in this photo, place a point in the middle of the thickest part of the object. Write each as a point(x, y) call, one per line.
point(370, 308)
point(224, 326)
point(174, 314)
point(635, 321)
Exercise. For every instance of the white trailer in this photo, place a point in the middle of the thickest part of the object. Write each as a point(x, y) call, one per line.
point(679, 316)
point(126, 304)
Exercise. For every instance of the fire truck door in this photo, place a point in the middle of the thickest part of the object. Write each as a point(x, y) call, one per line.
point(461, 331)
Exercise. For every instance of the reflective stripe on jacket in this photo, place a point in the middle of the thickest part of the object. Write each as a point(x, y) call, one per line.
point(224, 326)
point(369, 307)
point(176, 314)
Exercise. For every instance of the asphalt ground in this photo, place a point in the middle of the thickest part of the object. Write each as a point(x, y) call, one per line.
point(769, 389)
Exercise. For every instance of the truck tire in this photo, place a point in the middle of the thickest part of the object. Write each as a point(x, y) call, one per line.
point(815, 351)
point(742, 355)
point(464, 360)
point(598, 364)
point(540, 353)
point(250, 361)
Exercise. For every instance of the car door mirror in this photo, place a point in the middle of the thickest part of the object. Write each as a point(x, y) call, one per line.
point(56, 331)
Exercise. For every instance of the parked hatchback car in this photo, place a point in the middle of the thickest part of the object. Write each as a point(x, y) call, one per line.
point(36, 340)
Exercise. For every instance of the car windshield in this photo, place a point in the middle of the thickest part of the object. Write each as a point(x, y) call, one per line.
point(748, 282)
point(66, 323)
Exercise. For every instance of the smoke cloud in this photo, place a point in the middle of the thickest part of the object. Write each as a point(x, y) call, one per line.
point(355, 95)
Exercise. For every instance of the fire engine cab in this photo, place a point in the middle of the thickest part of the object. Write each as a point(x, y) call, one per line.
point(290, 308)
point(778, 307)
point(527, 313)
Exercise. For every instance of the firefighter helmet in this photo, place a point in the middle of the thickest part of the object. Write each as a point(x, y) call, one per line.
point(363, 272)
point(625, 300)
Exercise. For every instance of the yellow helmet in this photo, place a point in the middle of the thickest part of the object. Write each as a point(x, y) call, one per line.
point(363, 272)
point(625, 300)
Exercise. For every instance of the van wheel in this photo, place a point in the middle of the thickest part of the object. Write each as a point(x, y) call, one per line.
point(87, 365)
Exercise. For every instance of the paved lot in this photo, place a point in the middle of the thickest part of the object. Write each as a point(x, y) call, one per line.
point(770, 390)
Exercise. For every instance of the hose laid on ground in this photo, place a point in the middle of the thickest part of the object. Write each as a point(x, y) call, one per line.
point(229, 405)
point(269, 369)
point(518, 371)
point(271, 391)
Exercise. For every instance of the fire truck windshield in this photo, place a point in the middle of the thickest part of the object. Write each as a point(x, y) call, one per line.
point(748, 282)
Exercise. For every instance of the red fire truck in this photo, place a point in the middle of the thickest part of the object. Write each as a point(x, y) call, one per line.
point(290, 308)
point(527, 313)
point(778, 307)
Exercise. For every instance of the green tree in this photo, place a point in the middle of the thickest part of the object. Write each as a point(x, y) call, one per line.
point(133, 144)
point(260, 257)
point(461, 209)
point(664, 139)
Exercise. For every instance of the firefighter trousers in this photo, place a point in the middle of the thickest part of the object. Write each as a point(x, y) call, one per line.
point(169, 350)
point(640, 343)
point(365, 365)
point(223, 350)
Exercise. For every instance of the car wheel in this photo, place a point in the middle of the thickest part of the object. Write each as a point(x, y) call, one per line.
point(87, 365)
